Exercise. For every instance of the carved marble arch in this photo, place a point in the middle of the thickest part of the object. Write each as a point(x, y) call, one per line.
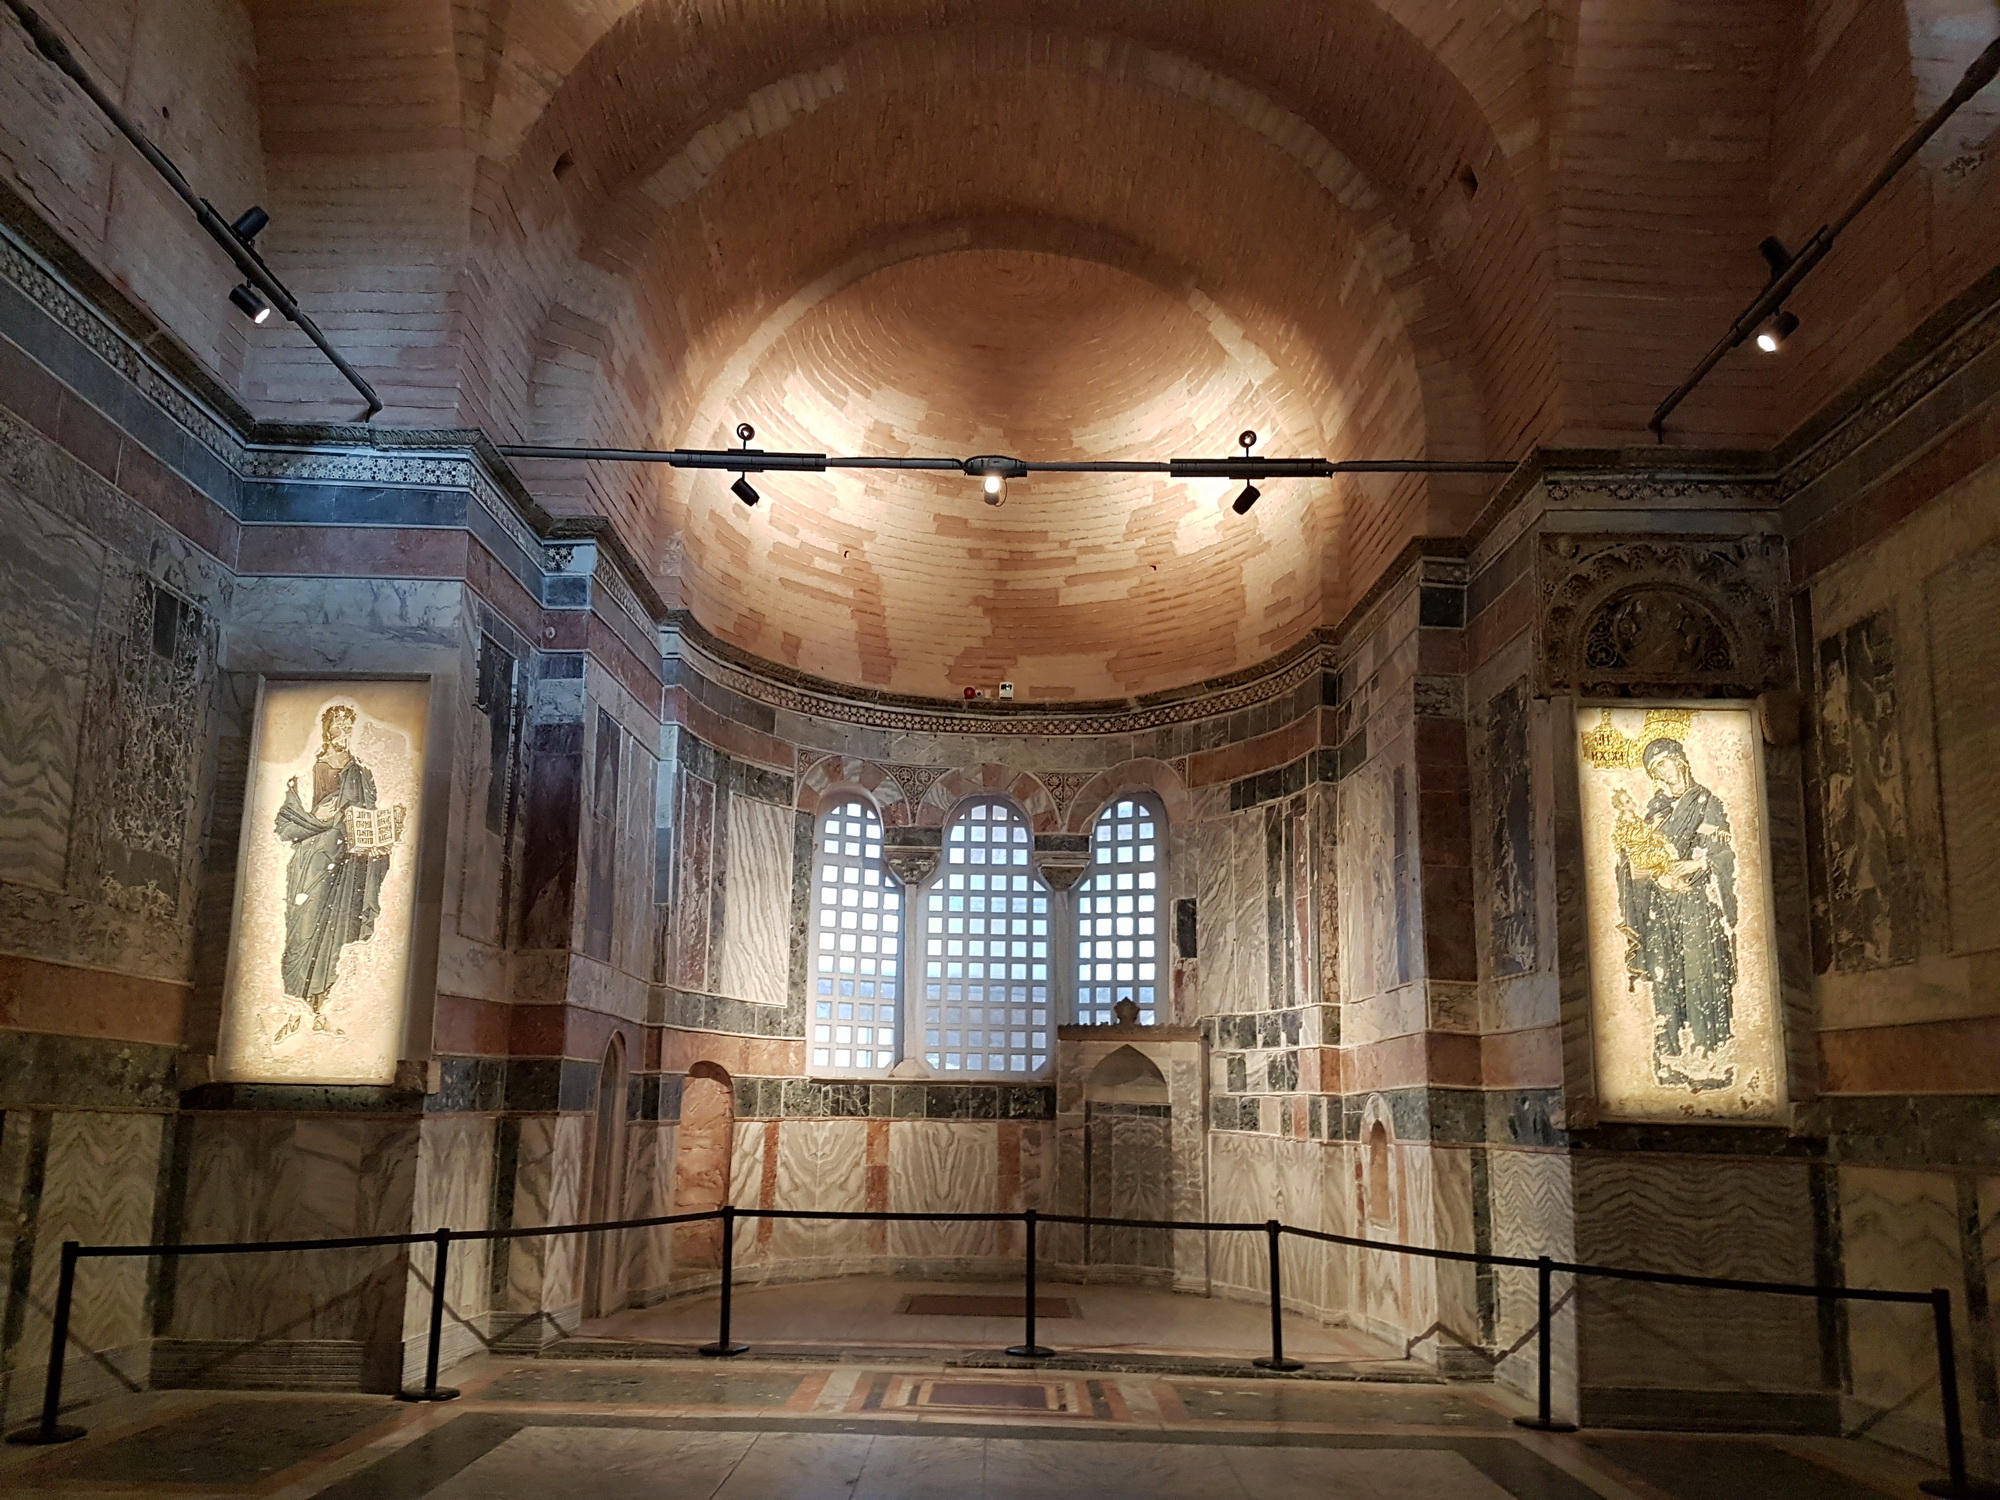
point(833, 779)
point(942, 800)
point(857, 980)
point(986, 1005)
point(1629, 619)
point(1081, 796)
point(1121, 910)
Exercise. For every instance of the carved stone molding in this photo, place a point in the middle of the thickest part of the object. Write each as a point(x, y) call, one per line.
point(1626, 618)
point(1064, 785)
point(915, 781)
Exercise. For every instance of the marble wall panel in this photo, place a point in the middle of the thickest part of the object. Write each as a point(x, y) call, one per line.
point(600, 835)
point(1529, 1204)
point(632, 928)
point(544, 1275)
point(650, 1147)
point(265, 1177)
point(757, 902)
point(1900, 1230)
point(1376, 938)
point(943, 1166)
point(1706, 1217)
point(487, 765)
point(551, 812)
point(454, 1190)
point(1983, 1275)
point(822, 1164)
point(90, 1177)
point(51, 576)
point(1208, 851)
point(1964, 608)
point(1869, 919)
point(694, 884)
point(303, 627)
point(1129, 1164)
point(1504, 777)
point(1253, 1178)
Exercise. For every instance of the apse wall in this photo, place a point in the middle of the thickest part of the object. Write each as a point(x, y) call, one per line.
point(1381, 832)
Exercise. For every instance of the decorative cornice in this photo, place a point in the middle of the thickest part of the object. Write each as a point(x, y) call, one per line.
point(798, 692)
point(1945, 343)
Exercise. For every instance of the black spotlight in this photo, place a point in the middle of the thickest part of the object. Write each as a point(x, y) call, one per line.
point(1771, 337)
point(251, 302)
point(250, 223)
point(743, 490)
point(1247, 499)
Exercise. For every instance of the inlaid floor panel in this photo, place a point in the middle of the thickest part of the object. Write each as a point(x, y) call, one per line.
point(689, 1429)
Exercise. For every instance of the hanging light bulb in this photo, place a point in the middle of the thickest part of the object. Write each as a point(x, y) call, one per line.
point(993, 470)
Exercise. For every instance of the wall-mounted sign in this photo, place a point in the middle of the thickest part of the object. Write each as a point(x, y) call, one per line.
point(1683, 965)
point(326, 883)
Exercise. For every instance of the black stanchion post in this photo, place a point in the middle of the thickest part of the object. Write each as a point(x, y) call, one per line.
point(1277, 1361)
point(1958, 1485)
point(49, 1430)
point(432, 1391)
point(722, 1347)
point(1544, 1420)
point(1028, 1348)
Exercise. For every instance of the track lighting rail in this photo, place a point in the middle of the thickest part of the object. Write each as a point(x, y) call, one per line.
point(762, 461)
point(234, 242)
point(1789, 269)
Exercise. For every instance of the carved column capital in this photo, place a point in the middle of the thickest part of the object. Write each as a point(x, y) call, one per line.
point(1062, 858)
point(912, 853)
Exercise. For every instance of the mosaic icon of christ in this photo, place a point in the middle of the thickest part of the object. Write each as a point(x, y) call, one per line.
point(341, 846)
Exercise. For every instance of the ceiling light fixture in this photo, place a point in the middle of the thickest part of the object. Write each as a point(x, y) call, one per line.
point(250, 223)
point(1250, 493)
point(1779, 327)
point(250, 302)
point(993, 471)
point(233, 238)
point(742, 489)
point(1789, 267)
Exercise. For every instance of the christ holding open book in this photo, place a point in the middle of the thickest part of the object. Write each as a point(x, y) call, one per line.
point(341, 844)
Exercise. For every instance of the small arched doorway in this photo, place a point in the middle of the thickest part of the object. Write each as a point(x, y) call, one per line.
point(603, 1254)
point(1128, 1162)
point(701, 1165)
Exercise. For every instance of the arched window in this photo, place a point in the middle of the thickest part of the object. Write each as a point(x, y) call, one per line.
point(1118, 914)
point(857, 955)
point(986, 950)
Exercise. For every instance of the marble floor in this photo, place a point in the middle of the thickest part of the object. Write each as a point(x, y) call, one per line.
point(904, 1429)
point(1103, 1321)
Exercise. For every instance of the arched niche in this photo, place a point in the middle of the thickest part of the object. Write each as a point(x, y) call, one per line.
point(701, 1165)
point(1128, 1165)
point(603, 1254)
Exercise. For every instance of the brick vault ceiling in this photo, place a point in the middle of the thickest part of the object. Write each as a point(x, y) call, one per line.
point(1126, 231)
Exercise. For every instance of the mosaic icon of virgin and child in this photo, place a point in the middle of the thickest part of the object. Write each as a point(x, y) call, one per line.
point(1677, 910)
point(341, 846)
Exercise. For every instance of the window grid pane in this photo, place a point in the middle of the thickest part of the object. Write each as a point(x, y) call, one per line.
point(1118, 915)
point(986, 952)
point(857, 946)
